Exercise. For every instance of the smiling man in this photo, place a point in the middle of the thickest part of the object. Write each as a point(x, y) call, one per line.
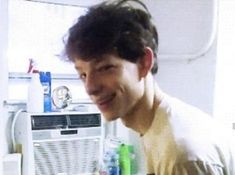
point(114, 50)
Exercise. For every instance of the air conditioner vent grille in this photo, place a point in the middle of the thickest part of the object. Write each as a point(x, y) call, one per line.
point(63, 157)
point(40, 122)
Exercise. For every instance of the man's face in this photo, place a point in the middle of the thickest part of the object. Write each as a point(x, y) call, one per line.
point(112, 83)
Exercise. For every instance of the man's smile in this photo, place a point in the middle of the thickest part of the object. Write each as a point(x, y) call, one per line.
point(104, 102)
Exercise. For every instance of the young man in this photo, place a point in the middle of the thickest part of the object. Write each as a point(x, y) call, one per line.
point(114, 49)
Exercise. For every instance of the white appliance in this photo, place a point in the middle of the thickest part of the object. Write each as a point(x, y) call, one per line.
point(67, 143)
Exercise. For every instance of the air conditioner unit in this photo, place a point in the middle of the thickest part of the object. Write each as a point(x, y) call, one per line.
point(60, 143)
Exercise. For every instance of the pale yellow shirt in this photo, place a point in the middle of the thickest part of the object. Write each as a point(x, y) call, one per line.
point(183, 140)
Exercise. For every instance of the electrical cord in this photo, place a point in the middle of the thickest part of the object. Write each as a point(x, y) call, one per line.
point(13, 128)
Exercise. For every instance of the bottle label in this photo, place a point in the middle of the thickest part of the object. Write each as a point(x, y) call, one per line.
point(46, 88)
point(45, 78)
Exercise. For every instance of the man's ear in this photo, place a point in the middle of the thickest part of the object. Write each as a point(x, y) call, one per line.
point(146, 62)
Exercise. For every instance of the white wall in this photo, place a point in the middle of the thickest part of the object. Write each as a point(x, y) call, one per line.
point(3, 77)
point(225, 82)
point(191, 81)
point(187, 49)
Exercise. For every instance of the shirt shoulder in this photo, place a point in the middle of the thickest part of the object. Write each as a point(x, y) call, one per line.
point(182, 136)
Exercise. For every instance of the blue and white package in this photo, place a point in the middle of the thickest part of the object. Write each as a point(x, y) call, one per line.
point(45, 78)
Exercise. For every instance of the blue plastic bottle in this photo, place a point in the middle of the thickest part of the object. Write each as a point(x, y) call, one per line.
point(114, 165)
point(45, 78)
point(111, 161)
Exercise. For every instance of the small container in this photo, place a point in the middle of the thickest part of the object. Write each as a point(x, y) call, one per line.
point(45, 78)
point(35, 95)
point(111, 161)
point(127, 159)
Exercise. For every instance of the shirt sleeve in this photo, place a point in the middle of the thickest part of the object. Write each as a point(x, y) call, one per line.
point(198, 168)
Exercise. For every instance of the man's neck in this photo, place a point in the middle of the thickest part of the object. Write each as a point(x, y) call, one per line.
point(142, 115)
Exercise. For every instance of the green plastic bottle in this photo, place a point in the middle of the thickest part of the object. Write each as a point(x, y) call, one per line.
point(124, 159)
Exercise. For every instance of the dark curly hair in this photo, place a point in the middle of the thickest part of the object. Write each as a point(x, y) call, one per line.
point(113, 28)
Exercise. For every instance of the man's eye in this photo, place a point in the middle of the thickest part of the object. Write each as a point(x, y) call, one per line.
point(82, 76)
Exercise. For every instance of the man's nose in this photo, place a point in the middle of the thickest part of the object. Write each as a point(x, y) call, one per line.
point(92, 85)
